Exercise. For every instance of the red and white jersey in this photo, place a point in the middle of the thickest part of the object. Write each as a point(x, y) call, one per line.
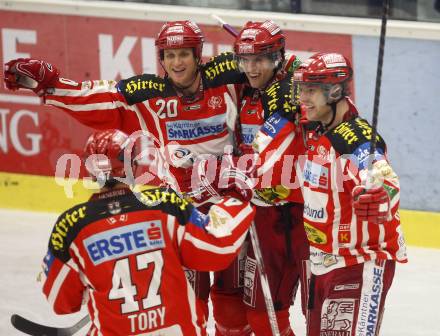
point(124, 258)
point(256, 105)
point(201, 124)
point(274, 134)
point(251, 118)
point(335, 163)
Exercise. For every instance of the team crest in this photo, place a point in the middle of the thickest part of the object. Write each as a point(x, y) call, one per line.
point(323, 153)
point(114, 207)
point(215, 102)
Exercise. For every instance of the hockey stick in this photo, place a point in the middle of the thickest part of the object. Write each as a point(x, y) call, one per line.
point(32, 328)
point(264, 281)
point(385, 11)
point(231, 30)
point(254, 237)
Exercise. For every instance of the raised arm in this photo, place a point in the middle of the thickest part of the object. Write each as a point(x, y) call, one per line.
point(211, 242)
point(96, 104)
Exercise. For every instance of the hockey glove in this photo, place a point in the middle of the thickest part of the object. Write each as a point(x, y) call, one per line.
point(201, 180)
point(212, 179)
point(221, 221)
point(26, 73)
point(372, 205)
point(236, 183)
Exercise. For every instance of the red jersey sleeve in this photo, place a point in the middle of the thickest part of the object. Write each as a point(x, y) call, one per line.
point(202, 250)
point(62, 285)
point(97, 104)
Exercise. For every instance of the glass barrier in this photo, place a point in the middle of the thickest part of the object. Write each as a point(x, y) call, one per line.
point(414, 10)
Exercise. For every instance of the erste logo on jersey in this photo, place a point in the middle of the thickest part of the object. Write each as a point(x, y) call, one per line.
point(123, 241)
point(195, 129)
point(316, 175)
point(248, 132)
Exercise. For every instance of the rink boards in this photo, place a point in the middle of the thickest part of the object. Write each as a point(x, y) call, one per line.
point(112, 40)
point(47, 194)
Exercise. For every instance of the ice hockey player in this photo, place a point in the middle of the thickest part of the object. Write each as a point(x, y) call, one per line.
point(350, 206)
point(191, 110)
point(123, 257)
point(238, 300)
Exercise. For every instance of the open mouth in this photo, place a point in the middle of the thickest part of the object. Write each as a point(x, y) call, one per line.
point(253, 76)
point(179, 71)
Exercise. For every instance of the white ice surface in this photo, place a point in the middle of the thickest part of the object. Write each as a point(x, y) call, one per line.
point(412, 308)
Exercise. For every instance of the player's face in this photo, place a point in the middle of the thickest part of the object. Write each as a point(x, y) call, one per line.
point(258, 69)
point(181, 66)
point(313, 98)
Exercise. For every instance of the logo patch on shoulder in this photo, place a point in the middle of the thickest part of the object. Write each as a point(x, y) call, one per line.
point(362, 154)
point(274, 124)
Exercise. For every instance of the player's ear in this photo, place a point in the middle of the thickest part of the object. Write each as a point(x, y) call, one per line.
point(335, 93)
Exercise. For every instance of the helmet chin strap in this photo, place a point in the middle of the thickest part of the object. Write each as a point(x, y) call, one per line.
point(333, 107)
point(335, 96)
point(325, 126)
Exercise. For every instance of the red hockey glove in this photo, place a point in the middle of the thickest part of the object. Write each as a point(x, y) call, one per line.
point(237, 179)
point(239, 186)
point(26, 73)
point(372, 205)
point(211, 179)
point(201, 180)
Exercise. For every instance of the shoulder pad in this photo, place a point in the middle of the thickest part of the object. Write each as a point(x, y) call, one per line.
point(168, 201)
point(67, 227)
point(278, 98)
point(354, 137)
point(143, 87)
point(221, 70)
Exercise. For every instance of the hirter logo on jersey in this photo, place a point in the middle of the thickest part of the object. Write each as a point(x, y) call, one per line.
point(215, 102)
point(123, 241)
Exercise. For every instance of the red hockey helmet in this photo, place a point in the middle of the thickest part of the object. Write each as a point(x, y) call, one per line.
point(324, 68)
point(180, 34)
point(104, 154)
point(259, 38)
